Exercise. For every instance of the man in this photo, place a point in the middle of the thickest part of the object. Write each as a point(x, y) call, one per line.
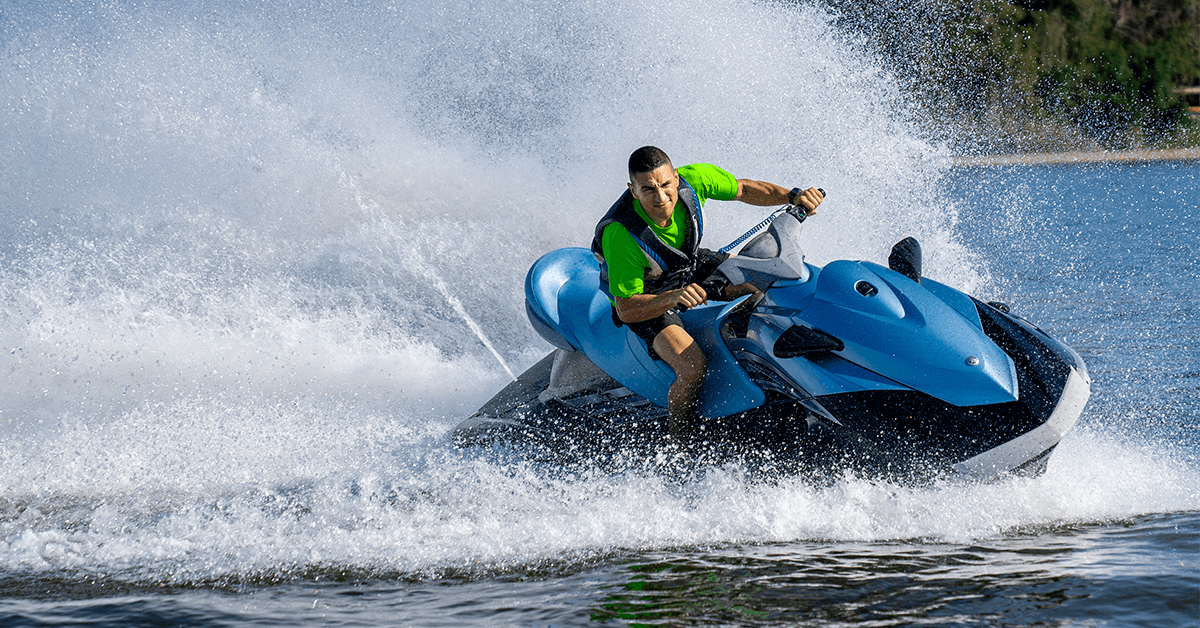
point(652, 264)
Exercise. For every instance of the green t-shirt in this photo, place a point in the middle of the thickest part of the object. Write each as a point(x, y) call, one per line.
point(627, 263)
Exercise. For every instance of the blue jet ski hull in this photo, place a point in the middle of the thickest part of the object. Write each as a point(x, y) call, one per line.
point(852, 365)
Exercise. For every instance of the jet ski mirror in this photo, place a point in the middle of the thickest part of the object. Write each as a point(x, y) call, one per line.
point(906, 259)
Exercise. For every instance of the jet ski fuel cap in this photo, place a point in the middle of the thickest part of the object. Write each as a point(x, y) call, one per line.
point(866, 289)
point(972, 361)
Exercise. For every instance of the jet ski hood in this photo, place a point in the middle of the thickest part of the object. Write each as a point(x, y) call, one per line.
point(901, 330)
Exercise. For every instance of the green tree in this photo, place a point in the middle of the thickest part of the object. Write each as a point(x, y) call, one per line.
point(1001, 75)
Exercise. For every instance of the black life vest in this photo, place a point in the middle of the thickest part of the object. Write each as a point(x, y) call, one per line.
point(670, 268)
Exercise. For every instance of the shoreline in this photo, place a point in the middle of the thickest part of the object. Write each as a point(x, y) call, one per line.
point(1094, 157)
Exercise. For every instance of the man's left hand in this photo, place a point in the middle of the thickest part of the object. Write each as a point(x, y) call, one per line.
point(809, 199)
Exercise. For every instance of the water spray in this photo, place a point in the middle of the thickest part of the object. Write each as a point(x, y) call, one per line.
point(462, 312)
point(440, 285)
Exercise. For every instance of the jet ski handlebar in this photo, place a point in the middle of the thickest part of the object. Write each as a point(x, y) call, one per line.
point(797, 211)
point(800, 213)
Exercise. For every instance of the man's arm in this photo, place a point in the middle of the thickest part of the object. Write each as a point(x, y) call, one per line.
point(763, 194)
point(643, 307)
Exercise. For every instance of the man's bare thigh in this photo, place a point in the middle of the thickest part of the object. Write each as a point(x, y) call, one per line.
point(680, 351)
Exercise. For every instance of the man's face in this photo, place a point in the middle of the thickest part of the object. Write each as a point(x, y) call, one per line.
point(658, 190)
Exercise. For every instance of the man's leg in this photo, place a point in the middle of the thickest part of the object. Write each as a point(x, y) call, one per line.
point(679, 350)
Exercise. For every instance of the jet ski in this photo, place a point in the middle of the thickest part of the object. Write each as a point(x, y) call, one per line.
point(851, 366)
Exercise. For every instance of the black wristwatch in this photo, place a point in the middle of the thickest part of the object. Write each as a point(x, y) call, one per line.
point(793, 194)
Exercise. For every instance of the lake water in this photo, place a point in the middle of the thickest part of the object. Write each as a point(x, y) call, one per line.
point(257, 262)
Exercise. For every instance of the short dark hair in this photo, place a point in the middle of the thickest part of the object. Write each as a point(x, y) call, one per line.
point(646, 159)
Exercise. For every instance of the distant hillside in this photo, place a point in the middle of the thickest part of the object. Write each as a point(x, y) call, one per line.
point(997, 76)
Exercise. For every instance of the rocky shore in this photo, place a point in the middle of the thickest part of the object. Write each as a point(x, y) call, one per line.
point(1170, 154)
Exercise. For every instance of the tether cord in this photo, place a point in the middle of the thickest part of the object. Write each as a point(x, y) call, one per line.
point(759, 227)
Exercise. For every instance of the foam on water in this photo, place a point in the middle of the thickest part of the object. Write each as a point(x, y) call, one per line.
point(238, 244)
point(404, 506)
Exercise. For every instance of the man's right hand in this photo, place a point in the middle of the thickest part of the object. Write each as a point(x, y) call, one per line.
point(689, 296)
point(643, 307)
